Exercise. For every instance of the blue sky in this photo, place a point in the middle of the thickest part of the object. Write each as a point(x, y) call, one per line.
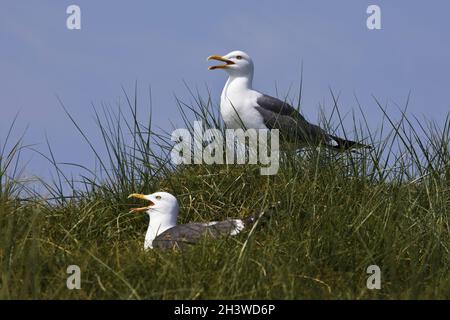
point(163, 43)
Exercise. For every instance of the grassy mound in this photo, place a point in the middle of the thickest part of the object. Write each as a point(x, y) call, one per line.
point(337, 215)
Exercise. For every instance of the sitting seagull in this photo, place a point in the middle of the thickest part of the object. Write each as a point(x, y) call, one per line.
point(164, 233)
point(243, 107)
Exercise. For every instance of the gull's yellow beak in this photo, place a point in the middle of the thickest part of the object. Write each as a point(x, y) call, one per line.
point(142, 197)
point(219, 58)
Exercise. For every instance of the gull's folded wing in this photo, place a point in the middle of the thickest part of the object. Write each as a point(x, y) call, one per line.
point(293, 126)
point(191, 233)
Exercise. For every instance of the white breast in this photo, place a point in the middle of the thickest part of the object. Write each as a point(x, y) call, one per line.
point(237, 106)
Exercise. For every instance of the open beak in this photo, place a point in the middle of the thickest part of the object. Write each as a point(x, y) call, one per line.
point(219, 58)
point(142, 197)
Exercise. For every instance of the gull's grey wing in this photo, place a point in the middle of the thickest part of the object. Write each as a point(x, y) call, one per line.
point(191, 233)
point(293, 126)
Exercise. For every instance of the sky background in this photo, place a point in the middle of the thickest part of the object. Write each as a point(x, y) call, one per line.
point(163, 43)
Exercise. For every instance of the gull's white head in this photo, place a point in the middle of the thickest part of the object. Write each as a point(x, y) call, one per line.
point(160, 203)
point(163, 211)
point(237, 64)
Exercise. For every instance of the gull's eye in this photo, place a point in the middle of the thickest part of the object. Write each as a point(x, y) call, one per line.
point(158, 197)
point(239, 57)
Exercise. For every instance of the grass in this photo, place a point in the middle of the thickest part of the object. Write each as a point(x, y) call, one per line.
point(338, 214)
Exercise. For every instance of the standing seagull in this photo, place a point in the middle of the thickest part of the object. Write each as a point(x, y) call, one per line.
point(164, 233)
point(243, 107)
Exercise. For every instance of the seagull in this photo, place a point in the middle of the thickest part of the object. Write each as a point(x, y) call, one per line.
point(245, 108)
point(164, 233)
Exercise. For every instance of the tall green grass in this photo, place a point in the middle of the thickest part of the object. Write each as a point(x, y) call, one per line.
point(338, 214)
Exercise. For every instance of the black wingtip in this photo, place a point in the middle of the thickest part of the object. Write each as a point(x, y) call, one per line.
point(251, 219)
point(343, 144)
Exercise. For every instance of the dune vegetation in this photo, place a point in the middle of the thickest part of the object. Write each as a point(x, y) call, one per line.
point(337, 214)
